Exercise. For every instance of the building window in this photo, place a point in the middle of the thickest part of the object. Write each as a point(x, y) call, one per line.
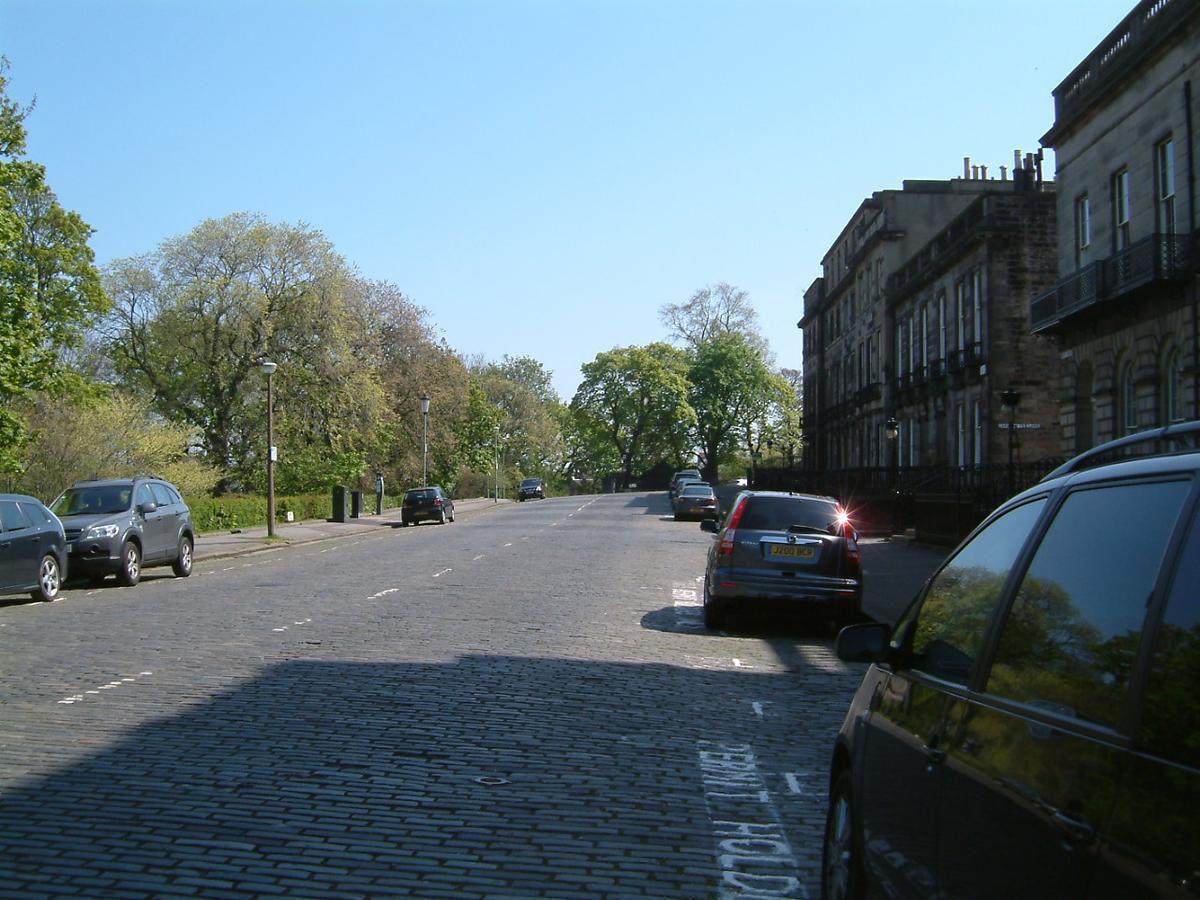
point(899, 347)
point(1173, 387)
point(912, 346)
point(977, 308)
point(1164, 178)
point(941, 302)
point(977, 436)
point(878, 277)
point(960, 314)
point(925, 336)
point(1120, 196)
point(1083, 231)
point(1128, 400)
point(962, 435)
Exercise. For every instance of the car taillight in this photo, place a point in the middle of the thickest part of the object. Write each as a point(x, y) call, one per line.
point(437, 502)
point(852, 554)
point(725, 548)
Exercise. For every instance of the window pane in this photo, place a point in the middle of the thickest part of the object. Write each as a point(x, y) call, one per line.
point(1073, 632)
point(778, 513)
point(963, 596)
point(11, 516)
point(1171, 724)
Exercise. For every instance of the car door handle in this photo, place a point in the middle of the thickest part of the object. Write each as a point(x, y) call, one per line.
point(1076, 831)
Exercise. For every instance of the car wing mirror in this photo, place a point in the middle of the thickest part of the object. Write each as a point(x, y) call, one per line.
point(864, 643)
point(146, 507)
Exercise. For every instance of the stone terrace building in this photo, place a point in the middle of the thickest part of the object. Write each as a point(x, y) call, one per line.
point(1125, 306)
point(922, 315)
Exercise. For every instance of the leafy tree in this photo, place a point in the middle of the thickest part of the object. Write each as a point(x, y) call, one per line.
point(710, 312)
point(633, 406)
point(111, 434)
point(49, 286)
point(522, 390)
point(732, 392)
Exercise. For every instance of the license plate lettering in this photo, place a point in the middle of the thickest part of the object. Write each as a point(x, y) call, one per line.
point(792, 551)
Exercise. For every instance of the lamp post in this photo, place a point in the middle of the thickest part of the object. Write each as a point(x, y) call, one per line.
point(269, 368)
point(496, 454)
point(891, 430)
point(1009, 401)
point(425, 439)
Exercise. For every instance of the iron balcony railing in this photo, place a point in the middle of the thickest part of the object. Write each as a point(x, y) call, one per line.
point(1157, 258)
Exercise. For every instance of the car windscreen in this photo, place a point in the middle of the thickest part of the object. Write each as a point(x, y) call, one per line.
point(531, 482)
point(93, 501)
point(781, 513)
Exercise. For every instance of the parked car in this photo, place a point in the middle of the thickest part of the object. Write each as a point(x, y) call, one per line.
point(696, 500)
point(531, 489)
point(124, 525)
point(33, 548)
point(1030, 727)
point(796, 548)
point(683, 475)
point(426, 504)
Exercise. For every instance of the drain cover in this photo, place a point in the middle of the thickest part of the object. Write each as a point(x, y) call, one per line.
point(492, 780)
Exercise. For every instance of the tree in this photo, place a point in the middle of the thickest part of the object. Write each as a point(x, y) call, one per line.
point(192, 320)
point(49, 286)
point(731, 391)
point(522, 390)
point(632, 406)
point(711, 312)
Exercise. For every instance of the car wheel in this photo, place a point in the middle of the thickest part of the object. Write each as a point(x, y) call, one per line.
point(182, 566)
point(49, 579)
point(451, 515)
point(442, 518)
point(841, 859)
point(131, 564)
point(520, 499)
point(716, 616)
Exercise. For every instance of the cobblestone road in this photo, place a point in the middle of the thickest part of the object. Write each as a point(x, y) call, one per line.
point(523, 704)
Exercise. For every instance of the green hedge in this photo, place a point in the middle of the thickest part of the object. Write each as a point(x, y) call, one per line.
point(249, 511)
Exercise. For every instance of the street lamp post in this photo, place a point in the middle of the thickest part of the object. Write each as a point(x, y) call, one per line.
point(1009, 401)
point(269, 368)
point(425, 439)
point(891, 430)
point(496, 455)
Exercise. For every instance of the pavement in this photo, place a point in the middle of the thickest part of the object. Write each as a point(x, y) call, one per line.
point(217, 544)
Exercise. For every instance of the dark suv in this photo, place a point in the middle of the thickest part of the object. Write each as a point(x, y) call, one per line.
point(772, 547)
point(1031, 727)
point(426, 504)
point(123, 525)
point(531, 489)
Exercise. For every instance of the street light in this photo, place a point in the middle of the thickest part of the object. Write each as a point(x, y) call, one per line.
point(425, 440)
point(496, 455)
point(1009, 401)
point(269, 368)
point(891, 430)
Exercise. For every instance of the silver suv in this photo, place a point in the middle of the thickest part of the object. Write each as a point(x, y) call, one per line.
point(121, 526)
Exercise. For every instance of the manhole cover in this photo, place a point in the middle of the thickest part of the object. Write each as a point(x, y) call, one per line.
point(492, 780)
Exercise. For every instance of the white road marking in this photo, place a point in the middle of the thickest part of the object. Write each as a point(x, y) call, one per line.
point(685, 597)
point(383, 593)
point(128, 679)
point(758, 706)
point(477, 558)
point(509, 544)
point(793, 782)
point(441, 573)
point(740, 665)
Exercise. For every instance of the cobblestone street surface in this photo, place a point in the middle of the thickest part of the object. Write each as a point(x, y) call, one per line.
point(523, 703)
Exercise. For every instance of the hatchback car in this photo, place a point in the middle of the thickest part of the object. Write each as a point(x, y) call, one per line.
point(696, 501)
point(796, 548)
point(1030, 727)
point(33, 548)
point(531, 489)
point(426, 504)
point(123, 525)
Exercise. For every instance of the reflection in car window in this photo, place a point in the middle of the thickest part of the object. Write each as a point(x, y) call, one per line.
point(143, 495)
point(963, 595)
point(162, 496)
point(780, 513)
point(1072, 635)
point(11, 516)
point(1171, 723)
point(91, 501)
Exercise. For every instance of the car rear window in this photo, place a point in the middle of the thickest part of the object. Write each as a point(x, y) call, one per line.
point(420, 495)
point(697, 491)
point(780, 513)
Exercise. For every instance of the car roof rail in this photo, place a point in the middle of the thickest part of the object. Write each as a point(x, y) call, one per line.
point(1176, 438)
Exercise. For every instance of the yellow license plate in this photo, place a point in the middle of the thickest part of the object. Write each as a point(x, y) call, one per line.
point(793, 551)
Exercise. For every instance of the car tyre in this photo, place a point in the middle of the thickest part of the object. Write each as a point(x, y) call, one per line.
point(716, 615)
point(49, 579)
point(841, 857)
point(182, 566)
point(442, 517)
point(131, 564)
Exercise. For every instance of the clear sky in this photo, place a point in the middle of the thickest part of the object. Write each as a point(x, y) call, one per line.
point(541, 175)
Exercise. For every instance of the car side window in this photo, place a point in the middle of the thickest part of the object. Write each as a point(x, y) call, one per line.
point(1171, 718)
point(950, 624)
point(1071, 638)
point(12, 518)
point(162, 496)
point(143, 495)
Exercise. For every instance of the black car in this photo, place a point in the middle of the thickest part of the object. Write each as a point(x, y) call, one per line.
point(531, 489)
point(426, 504)
point(1031, 727)
point(696, 500)
point(124, 525)
point(33, 548)
point(772, 546)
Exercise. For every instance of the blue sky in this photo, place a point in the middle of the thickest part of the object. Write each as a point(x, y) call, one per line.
point(541, 176)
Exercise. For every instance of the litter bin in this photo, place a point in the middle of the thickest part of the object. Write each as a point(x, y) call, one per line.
point(340, 503)
point(356, 509)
